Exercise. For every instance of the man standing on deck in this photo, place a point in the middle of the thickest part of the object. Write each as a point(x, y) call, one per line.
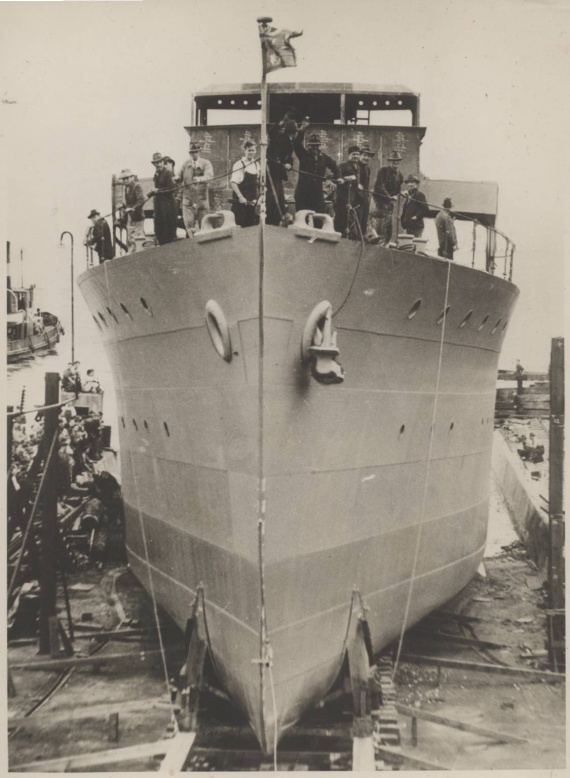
point(387, 187)
point(519, 376)
point(279, 161)
point(194, 175)
point(415, 208)
point(446, 234)
point(313, 165)
point(363, 197)
point(165, 208)
point(100, 238)
point(134, 202)
point(347, 197)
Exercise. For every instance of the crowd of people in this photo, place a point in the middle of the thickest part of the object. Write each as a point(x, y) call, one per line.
point(181, 199)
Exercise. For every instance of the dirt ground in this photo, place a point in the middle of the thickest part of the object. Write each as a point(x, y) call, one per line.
point(509, 602)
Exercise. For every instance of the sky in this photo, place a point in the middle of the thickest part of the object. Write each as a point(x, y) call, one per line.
point(89, 88)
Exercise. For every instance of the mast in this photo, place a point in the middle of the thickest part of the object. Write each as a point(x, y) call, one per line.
point(8, 276)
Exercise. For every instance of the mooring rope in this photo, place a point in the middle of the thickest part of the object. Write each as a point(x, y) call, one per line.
point(426, 479)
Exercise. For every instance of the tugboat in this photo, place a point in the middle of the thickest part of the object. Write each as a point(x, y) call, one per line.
point(281, 500)
point(28, 332)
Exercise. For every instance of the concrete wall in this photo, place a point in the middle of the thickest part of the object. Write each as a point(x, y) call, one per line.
point(521, 495)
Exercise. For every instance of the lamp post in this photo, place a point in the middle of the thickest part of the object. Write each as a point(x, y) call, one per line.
point(66, 232)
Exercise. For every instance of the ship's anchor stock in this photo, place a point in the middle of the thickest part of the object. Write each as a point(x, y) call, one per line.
point(318, 346)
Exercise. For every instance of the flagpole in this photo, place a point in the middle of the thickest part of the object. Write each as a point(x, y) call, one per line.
point(260, 424)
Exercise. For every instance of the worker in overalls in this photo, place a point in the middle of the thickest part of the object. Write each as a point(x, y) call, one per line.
point(245, 185)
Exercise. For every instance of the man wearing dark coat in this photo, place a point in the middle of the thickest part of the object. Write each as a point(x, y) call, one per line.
point(165, 206)
point(366, 154)
point(415, 208)
point(313, 165)
point(347, 195)
point(279, 161)
point(100, 238)
point(387, 187)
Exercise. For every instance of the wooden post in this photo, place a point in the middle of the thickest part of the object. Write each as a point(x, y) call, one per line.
point(49, 529)
point(414, 731)
point(556, 572)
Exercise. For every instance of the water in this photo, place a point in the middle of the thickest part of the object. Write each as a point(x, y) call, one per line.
point(30, 373)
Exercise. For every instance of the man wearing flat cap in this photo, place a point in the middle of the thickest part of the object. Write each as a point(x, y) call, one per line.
point(387, 187)
point(446, 234)
point(415, 208)
point(313, 165)
point(134, 202)
point(165, 206)
point(347, 196)
point(100, 237)
point(194, 174)
point(366, 154)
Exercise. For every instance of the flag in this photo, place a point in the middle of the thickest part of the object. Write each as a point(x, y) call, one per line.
point(276, 49)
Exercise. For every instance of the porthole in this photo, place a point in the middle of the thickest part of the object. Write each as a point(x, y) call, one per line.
point(146, 425)
point(496, 326)
point(166, 428)
point(504, 327)
point(402, 429)
point(443, 314)
point(126, 311)
point(466, 319)
point(100, 315)
point(97, 323)
point(485, 320)
point(123, 422)
point(135, 425)
point(451, 426)
point(112, 315)
point(414, 309)
point(146, 306)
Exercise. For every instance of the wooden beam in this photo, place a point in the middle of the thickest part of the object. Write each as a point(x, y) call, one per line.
point(456, 664)
point(363, 760)
point(178, 752)
point(110, 756)
point(84, 661)
point(424, 715)
point(397, 757)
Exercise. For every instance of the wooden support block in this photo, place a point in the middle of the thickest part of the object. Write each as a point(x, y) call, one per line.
point(363, 754)
point(456, 664)
point(110, 756)
point(178, 750)
point(84, 661)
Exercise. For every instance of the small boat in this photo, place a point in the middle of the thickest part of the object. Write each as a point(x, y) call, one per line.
point(28, 332)
point(289, 493)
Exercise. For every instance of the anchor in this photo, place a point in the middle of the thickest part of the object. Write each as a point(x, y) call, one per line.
point(320, 345)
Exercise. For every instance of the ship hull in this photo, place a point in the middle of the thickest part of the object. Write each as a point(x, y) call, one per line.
point(377, 486)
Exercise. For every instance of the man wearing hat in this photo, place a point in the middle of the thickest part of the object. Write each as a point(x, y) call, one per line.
point(313, 165)
point(165, 208)
point(100, 237)
point(415, 208)
point(347, 196)
point(446, 234)
point(194, 174)
point(366, 154)
point(387, 187)
point(279, 161)
point(134, 202)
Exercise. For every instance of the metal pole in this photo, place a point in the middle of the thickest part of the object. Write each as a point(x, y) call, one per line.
point(22, 268)
point(8, 274)
point(66, 232)
point(474, 244)
point(49, 528)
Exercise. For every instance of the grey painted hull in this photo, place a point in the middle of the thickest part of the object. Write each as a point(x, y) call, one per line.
point(359, 493)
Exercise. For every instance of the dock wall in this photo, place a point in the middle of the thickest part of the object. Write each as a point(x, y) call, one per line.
point(521, 495)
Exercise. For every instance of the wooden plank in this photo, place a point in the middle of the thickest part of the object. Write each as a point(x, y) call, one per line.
point(456, 664)
point(178, 752)
point(397, 757)
point(83, 661)
point(110, 756)
point(424, 715)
